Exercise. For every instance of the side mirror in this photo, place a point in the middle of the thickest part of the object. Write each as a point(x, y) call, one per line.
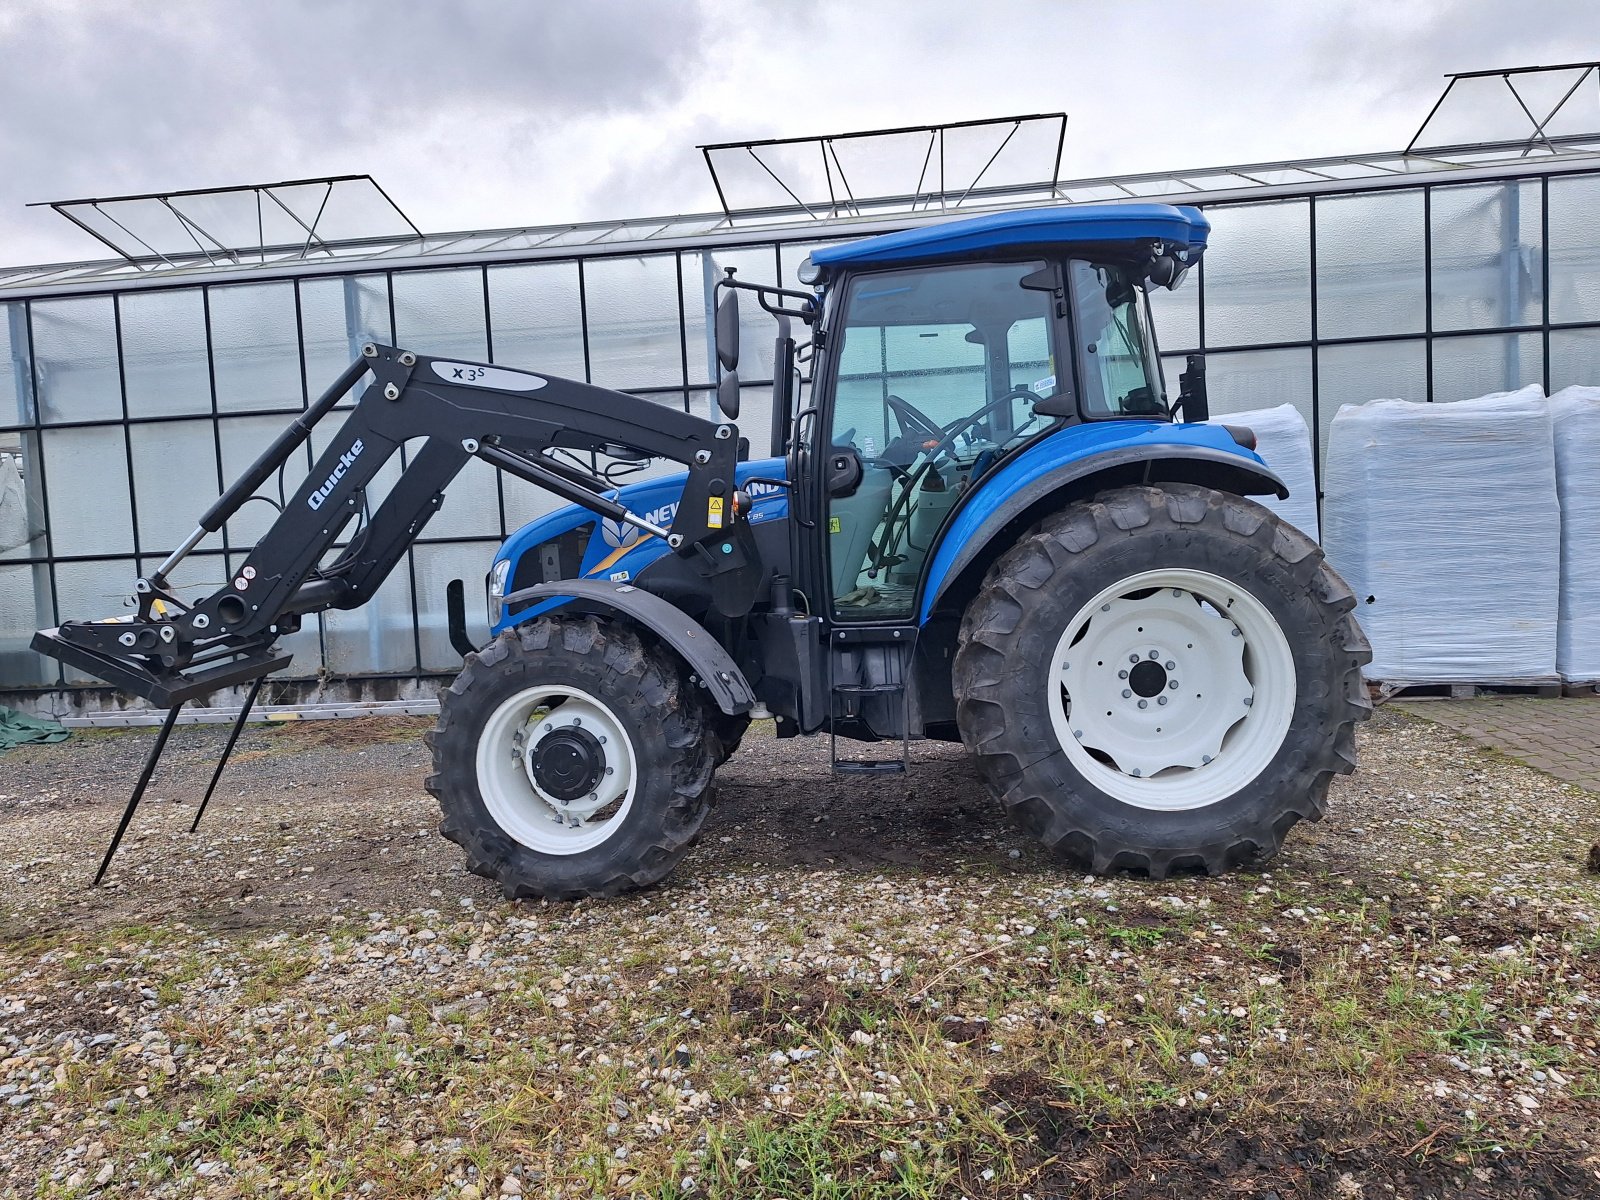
point(1192, 401)
point(728, 394)
point(727, 330)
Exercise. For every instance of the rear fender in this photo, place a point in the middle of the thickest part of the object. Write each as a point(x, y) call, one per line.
point(1072, 465)
point(710, 664)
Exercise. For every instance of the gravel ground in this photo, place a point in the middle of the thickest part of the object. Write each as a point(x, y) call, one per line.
point(850, 988)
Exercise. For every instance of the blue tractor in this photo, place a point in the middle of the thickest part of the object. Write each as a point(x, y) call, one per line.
point(982, 524)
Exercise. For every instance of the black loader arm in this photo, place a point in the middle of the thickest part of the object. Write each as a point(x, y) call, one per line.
point(170, 651)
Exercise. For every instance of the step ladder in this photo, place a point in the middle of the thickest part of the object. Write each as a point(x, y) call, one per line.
point(902, 638)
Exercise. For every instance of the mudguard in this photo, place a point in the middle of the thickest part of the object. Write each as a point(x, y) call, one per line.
point(1191, 453)
point(710, 663)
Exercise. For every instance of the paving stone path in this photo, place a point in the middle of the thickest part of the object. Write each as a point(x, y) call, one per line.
point(1559, 737)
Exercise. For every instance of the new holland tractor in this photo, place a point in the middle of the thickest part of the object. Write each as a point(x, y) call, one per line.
point(982, 523)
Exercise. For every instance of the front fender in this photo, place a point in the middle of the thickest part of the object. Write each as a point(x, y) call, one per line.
point(1123, 451)
point(710, 663)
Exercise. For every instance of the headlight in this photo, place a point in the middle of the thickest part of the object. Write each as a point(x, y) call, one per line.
point(808, 271)
point(496, 586)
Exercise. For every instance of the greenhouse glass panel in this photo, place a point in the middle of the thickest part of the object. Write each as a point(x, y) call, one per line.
point(168, 501)
point(1177, 316)
point(1249, 379)
point(1488, 255)
point(1368, 371)
point(441, 313)
point(1574, 250)
point(757, 328)
point(1258, 274)
point(22, 519)
point(471, 504)
point(633, 332)
point(75, 355)
point(16, 381)
point(164, 360)
point(379, 636)
point(255, 348)
point(1370, 264)
point(338, 317)
point(437, 565)
point(1574, 358)
point(25, 605)
point(1467, 367)
point(92, 461)
point(243, 439)
point(536, 318)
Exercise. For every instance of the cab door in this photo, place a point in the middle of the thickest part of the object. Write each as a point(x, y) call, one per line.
point(936, 371)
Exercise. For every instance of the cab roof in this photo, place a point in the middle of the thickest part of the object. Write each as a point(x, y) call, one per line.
point(1179, 226)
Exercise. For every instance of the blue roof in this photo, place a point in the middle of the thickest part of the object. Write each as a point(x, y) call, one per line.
point(1179, 226)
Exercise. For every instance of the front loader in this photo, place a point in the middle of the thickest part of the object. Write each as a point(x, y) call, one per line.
point(984, 524)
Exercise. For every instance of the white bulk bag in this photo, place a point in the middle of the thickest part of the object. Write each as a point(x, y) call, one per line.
point(1444, 520)
point(1576, 413)
point(1284, 443)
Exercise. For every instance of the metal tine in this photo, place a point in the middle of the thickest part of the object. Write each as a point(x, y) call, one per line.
point(238, 727)
point(150, 761)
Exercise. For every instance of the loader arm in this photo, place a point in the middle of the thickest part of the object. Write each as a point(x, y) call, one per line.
point(170, 651)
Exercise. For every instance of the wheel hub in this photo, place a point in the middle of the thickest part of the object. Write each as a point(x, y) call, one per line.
point(568, 763)
point(1148, 678)
point(1154, 680)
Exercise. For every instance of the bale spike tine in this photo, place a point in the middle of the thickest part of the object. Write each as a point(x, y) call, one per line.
point(150, 761)
point(238, 727)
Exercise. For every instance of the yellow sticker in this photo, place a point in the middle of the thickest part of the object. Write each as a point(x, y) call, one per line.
point(834, 526)
point(714, 513)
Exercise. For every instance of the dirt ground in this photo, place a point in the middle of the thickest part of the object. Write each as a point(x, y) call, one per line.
point(1406, 1002)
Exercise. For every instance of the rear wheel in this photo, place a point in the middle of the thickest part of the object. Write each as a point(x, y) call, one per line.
point(570, 761)
point(1160, 679)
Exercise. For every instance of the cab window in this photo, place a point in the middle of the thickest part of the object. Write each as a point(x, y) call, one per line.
point(1116, 351)
point(937, 373)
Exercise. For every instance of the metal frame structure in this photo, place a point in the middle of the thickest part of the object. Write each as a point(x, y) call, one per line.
point(842, 200)
point(681, 250)
point(193, 243)
point(1537, 137)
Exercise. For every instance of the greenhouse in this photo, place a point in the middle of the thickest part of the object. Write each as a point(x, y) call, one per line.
point(139, 385)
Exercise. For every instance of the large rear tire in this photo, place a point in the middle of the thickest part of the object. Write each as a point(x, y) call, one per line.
point(570, 760)
point(1160, 679)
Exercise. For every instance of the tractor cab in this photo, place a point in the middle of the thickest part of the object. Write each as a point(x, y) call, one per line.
point(939, 353)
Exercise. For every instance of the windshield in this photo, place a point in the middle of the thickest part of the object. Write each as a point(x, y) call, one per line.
point(1121, 372)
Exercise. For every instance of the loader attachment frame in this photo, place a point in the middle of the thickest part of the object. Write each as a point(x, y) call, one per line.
point(170, 651)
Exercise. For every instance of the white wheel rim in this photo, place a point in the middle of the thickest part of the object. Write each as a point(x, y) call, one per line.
point(1216, 730)
point(522, 808)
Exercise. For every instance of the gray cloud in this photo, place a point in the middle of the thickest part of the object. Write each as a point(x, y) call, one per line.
point(481, 113)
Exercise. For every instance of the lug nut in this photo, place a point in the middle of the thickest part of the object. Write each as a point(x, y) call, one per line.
point(1122, 674)
point(1173, 684)
point(1126, 693)
point(1144, 704)
point(1161, 699)
point(1170, 664)
point(1154, 654)
point(1133, 658)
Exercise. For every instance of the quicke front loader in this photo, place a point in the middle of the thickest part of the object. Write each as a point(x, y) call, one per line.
point(985, 524)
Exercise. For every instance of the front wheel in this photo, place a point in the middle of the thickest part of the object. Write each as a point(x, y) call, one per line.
point(570, 760)
point(1162, 679)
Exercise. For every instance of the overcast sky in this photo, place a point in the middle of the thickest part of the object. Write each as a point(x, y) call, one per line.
point(488, 113)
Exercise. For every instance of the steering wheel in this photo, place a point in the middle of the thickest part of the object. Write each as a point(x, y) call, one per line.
point(913, 420)
point(882, 553)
